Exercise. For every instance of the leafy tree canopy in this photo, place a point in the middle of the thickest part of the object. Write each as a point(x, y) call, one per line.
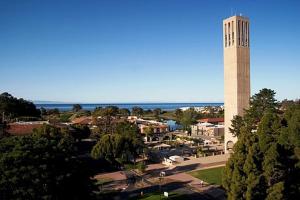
point(138, 111)
point(124, 145)
point(124, 112)
point(44, 165)
point(157, 112)
point(13, 107)
point(187, 118)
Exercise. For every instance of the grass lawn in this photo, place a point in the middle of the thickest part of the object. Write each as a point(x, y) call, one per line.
point(211, 176)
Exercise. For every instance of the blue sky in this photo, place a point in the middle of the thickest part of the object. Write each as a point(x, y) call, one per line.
point(141, 51)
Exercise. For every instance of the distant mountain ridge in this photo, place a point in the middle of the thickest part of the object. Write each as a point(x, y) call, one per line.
point(50, 102)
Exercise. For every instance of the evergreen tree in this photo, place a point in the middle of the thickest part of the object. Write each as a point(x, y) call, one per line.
point(265, 159)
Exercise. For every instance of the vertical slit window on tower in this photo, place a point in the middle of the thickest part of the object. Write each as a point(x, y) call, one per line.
point(225, 35)
point(238, 33)
point(232, 33)
point(242, 33)
point(229, 34)
point(246, 33)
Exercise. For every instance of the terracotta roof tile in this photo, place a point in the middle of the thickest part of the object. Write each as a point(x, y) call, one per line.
point(211, 120)
point(21, 129)
point(82, 120)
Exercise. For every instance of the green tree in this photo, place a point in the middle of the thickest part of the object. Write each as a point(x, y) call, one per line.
point(156, 113)
point(188, 118)
point(43, 111)
point(12, 107)
point(264, 162)
point(178, 115)
point(141, 167)
point(80, 132)
point(65, 117)
point(260, 103)
point(53, 111)
point(124, 112)
point(106, 119)
point(149, 131)
point(236, 125)
point(97, 111)
point(122, 146)
point(137, 111)
point(44, 165)
point(76, 107)
point(110, 111)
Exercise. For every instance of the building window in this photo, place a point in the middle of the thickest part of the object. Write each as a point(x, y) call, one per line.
point(246, 33)
point(243, 31)
point(239, 32)
point(225, 35)
point(229, 34)
point(232, 33)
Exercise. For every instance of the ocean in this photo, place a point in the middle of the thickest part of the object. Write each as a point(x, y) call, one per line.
point(145, 106)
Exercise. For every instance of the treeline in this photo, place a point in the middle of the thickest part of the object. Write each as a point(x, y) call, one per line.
point(136, 111)
point(98, 111)
point(266, 159)
point(12, 107)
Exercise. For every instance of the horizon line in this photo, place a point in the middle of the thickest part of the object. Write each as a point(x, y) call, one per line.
point(154, 102)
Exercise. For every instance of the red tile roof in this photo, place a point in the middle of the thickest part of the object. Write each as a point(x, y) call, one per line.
point(211, 120)
point(82, 120)
point(21, 129)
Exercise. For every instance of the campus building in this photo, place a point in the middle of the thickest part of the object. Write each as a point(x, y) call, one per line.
point(236, 45)
point(213, 127)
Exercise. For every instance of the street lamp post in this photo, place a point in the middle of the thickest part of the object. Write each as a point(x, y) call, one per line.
point(161, 176)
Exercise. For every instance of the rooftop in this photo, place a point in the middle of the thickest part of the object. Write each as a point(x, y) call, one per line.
point(211, 120)
point(24, 128)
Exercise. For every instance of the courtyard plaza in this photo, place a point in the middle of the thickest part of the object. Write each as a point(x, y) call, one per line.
point(176, 178)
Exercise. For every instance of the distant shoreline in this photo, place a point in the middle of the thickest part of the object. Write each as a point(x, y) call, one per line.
point(145, 106)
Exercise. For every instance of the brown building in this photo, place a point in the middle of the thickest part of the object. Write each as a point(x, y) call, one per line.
point(157, 128)
point(218, 120)
point(207, 129)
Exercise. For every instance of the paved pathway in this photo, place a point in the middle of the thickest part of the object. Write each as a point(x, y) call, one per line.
point(116, 176)
point(186, 166)
point(205, 160)
point(184, 177)
point(174, 174)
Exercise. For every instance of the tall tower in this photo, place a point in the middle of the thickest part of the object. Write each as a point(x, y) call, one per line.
point(236, 72)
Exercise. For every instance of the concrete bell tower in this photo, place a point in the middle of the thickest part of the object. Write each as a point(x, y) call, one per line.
point(236, 72)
